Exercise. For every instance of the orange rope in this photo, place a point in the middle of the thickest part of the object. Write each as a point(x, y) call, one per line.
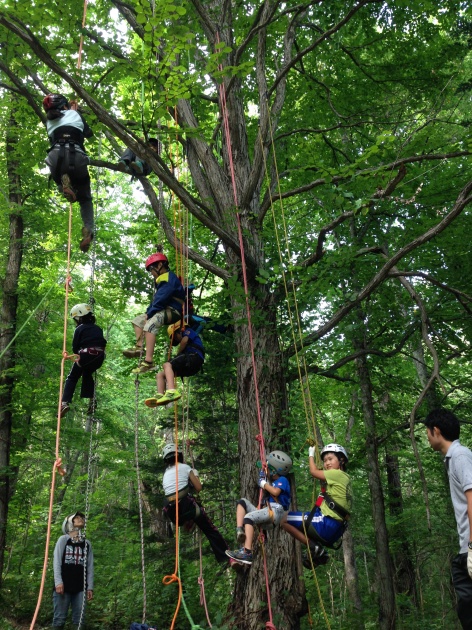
point(57, 466)
point(81, 43)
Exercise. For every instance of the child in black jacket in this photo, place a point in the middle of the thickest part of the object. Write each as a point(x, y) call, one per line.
point(89, 344)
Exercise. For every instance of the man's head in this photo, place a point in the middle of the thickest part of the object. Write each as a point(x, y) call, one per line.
point(442, 428)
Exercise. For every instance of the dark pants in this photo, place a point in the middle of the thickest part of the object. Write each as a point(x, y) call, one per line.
point(84, 368)
point(128, 156)
point(59, 162)
point(463, 587)
point(187, 364)
point(187, 510)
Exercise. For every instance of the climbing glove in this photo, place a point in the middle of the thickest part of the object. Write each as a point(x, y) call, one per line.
point(311, 451)
point(262, 483)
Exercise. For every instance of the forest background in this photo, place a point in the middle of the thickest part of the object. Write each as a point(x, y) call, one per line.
point(346, 126)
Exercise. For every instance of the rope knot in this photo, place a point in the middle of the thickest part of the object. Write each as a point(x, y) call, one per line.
point(58, 465)
point(259, 438)
point(169, 579)
point(270, 626)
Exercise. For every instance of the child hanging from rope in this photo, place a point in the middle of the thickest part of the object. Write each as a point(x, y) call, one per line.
point(278, 501)
point(181, 498)
point(165, 308)
point(67, 159)
point(130, 163)
point(89, 345)
point(189, 361)
point(327, 521)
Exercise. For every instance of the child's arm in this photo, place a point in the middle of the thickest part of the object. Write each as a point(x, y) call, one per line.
point(183, 343)
point(315, 472)
point(195, 481)
point(265, 485)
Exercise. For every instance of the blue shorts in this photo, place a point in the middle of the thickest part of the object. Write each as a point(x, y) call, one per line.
point(328, 528)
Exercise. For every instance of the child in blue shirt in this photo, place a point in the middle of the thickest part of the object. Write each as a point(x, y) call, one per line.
point(278, 502)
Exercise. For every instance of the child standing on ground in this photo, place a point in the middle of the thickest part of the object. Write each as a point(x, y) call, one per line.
point(72, 554)
point(165, 308)
point(278, 501)
point(89, 345)
point(333, 506)
point(189, 361)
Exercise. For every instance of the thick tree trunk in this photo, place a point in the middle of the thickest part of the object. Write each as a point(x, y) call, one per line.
point(385, 573)
point(8, 329)
point(286, 589)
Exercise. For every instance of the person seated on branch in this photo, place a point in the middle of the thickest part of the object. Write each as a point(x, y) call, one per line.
point(189, 361)
point(327, 521)
point(180, 498)
point(89, 345)
point(165, 308)
point(73, 556)
point(130, 163)
point(67, 159)
point(277, 499)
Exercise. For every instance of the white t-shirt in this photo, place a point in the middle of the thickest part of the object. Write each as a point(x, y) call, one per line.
point(168, 481)
point(458, 462)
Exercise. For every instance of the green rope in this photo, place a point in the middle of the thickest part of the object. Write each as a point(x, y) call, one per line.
point(189, 617)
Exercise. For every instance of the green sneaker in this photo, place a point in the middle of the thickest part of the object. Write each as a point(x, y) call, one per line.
point(170, 396)
point(144, 367)
point(154, 402)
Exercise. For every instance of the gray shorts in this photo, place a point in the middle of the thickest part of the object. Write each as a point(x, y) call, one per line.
point(162, 318)
point(262, 518)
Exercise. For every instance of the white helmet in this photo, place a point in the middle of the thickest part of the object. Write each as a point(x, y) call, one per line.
point(279, 461)
point(334, 448)
point(169, 449)
point(68, 524)
point(80, 310)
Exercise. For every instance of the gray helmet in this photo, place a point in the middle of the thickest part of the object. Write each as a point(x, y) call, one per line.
point(68, 524)
point(80, 310)
point(334, 448)
point(169, 449)
point(280, 462)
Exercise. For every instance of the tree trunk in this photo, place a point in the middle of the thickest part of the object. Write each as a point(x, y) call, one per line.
point(286, 589)
point(385, 573)
point(8, 329)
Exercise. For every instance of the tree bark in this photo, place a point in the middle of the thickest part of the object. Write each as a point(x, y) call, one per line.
point(8, 325)
point(384, 566)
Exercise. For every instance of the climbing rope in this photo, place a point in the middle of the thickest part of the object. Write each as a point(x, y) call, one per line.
point(57, 466)
point(140, 497)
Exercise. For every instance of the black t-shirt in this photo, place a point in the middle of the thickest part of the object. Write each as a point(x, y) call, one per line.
point(73, 566)
point(88, 336)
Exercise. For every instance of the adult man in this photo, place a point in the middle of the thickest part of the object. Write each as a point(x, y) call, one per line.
point(443, 432)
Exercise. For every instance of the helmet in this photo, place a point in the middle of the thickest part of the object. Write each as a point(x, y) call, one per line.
point(68, 525)
point(80, 310)
point(279, 461)
point(334, 448)
point(154, 258)
point(169, 449)
point(54, 101)
point(173, 328)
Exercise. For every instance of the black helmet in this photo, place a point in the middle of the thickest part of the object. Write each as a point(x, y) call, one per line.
point(54, 101)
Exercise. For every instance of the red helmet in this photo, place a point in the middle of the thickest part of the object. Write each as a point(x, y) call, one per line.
point(154, 258)
point(54, 101)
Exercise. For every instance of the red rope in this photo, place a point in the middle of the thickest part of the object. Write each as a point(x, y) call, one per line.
point(248, 308)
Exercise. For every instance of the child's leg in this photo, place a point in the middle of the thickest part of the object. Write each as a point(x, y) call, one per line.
point(293, 531)
point(71, 383)
point(249, 531)
point(90, 365)
point(161, 383)
point(139, 335)
point(169, 376)
point(150, 345)
point(240, 514)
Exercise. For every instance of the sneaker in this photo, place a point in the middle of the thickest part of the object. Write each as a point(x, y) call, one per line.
point(133, 353)
point(67, 190)
point(92, 407)
point(87, 239)
point(154, 402)
point(137, 167)
point(64, 408)
point(240, 555)
point(144, 367)
point(170, 396)
point(319, 556)
point(240, 535)
point(123, 166)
